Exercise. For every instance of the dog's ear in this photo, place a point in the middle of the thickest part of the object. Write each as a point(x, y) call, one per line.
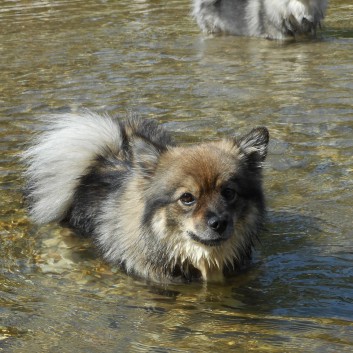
point(145, 156)
point(254, 146)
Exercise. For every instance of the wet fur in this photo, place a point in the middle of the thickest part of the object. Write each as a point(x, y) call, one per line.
point(122, 184)
point(274, 19)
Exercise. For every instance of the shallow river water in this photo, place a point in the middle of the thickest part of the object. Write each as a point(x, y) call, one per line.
point(148, 56)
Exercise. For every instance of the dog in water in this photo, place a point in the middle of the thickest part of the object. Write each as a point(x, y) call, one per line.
point(162, 212)
point(273, 19)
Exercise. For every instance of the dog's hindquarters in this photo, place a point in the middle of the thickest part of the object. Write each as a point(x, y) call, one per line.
point(217, 16)
point(61, 155)
point(81, 159)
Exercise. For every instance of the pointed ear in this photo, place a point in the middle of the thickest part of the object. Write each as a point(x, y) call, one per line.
point(145, 156)
point(254, 145)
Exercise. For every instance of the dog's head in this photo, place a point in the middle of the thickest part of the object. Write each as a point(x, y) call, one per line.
point(204, 194)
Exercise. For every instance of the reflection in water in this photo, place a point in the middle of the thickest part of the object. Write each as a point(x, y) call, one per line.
point(148, 56)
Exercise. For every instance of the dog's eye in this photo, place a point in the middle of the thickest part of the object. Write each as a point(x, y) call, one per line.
point(229, 194)
point(187, 199)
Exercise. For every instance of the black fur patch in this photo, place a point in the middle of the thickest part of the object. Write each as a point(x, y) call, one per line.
point(108, 172)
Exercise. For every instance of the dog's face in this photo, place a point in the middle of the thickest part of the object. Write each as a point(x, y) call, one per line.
point(203, 193)
point(204, 201)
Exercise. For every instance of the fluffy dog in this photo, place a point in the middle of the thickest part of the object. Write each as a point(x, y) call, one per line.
point(274, 19)
point(162, 212)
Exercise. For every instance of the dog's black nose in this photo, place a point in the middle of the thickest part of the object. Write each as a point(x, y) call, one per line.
point(217, 224)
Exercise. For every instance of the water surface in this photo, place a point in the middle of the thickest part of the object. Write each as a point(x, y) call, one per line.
point(148, 56)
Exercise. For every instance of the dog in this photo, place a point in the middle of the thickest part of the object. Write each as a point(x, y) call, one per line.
point(272, 19)
point(161, 211)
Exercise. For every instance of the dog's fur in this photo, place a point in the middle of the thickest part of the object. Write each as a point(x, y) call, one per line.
point(273, 19)
point(160, 211)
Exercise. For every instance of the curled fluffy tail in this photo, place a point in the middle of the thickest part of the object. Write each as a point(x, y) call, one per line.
point(60, 155)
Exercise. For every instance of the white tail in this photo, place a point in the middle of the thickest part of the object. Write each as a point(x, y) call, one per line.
point(61, 155)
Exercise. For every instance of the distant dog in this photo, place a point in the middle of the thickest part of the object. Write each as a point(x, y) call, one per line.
point(162, 212)
point(274, 19)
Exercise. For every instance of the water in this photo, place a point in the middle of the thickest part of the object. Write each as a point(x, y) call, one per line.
point(56, 295)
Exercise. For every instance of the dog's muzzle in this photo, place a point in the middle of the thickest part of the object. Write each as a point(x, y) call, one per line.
point(209, 241)
point(217, 224)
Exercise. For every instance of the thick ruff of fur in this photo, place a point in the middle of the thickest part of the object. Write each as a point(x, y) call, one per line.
point(274, 19)
point(158, 210)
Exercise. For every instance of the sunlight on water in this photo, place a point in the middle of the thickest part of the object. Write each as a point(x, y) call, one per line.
point(147, 56)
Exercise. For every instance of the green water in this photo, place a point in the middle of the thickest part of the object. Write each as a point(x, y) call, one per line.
point(148, 56)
